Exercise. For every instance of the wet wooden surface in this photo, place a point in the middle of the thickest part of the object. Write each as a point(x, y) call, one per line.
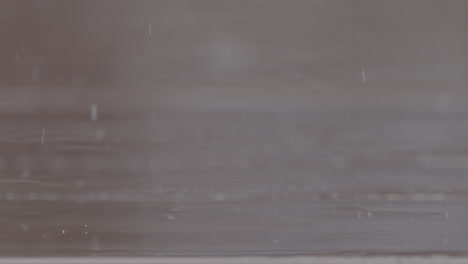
point(150, 128)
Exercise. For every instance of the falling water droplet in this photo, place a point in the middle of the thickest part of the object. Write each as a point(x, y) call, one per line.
point(94, 112)
point(447, 215)
point(363, 76)
point(96, 243)
point(35, 73)
point(170, 217)
point(43, 137)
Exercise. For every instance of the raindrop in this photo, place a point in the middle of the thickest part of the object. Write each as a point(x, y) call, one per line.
point(170, 217)
point(25, 174)
point(447, 215)
point(359, 214)
point(24, 227)
point(35, 73)
point(363, 76)
point(63, 232)
point(43, 136)
point(94, 112)
point(408, 243)
point(334, 195)
point(95, 243)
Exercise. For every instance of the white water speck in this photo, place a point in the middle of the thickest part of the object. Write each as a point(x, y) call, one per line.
point(170, 217)
point(85, 225)
point(363, 76)
point(359, 214)
point(63, 231)
point(150, 30)
point(94, 112)
point(86, 232)
point(447, 215)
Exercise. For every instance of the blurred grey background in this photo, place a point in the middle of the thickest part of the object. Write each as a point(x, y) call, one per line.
point(236, 127)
